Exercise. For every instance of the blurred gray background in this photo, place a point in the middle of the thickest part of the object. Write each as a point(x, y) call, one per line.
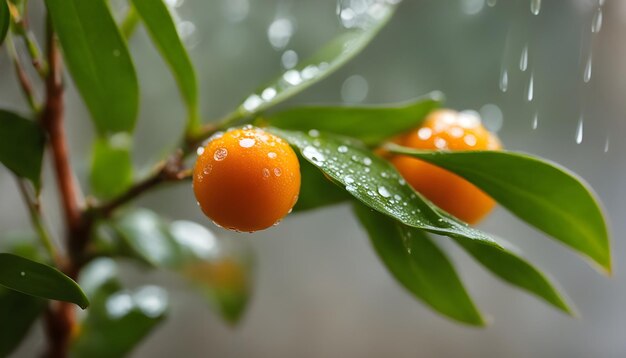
point(320, 290)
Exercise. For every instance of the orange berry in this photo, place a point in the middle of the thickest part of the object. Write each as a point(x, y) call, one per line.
point(246, 179)
point(448, 130)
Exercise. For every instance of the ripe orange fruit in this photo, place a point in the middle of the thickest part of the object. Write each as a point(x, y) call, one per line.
point(246, 179)
point(448, 130)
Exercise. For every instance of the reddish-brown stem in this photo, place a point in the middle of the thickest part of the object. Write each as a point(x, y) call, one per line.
point(60, 317)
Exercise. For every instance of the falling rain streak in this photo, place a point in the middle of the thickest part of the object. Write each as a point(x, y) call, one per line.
point(588, 68)
point(579, 131)
point(535, 6)
point(523, 61)
point(531, 88)
point(535, 121)
point(596, 24)
point(504, 80)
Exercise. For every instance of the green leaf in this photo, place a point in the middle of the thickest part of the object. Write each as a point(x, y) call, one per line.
point(22, 145)
point(39, 280)
point(370, 124)
point(111, 167)
point(146, 235)
point(118, 318)
point(516, 271)
point(316, 190)
point(220, 269)
point(419, 265)
point(158, 20)
point(542, 193)
point(5, 20)
point(99, 62)
point(329, 58)
point(18, 312)
point(376, 183)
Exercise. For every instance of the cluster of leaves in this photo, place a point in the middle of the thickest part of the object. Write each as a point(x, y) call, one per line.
point(335, 145)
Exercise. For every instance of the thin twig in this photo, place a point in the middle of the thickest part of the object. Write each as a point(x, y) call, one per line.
point(20, 22)
point(34, 211)
point(169, 171)
point(22, 76)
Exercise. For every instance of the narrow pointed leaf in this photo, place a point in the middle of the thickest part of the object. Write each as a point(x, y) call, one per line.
point(18, 312)
point(218, 269)
point(540, 192)
point(39, 280)
point(517, 271)
point(21, 146)
point(159, 23)
point(376, 183)
point(5, 20)
point(98, 60)
point(119, 319)
point(146, 235)
point(370, 124)
point(419, 265)
point(325, 61)
point(111, 166)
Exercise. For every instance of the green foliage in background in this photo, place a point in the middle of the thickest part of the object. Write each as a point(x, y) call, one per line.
point(335, 146)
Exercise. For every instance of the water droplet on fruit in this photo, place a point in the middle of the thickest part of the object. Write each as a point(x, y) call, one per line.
point(271, 155)
point(200, 150)
point(207, 169)
point(470, 140)
point(266, 173)
point(247, 142)
point(424, 133)
point(220, 154)
point(277, 172)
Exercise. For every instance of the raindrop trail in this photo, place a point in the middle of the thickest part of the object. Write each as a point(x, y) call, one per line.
point(531, 88)
point(588, 68)
point(535, 121)
point(523, 61)
point(580, 130)
point(535, 6)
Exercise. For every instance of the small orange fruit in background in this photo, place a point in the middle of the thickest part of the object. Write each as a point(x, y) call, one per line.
point(448, 130)
point(246, 179)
